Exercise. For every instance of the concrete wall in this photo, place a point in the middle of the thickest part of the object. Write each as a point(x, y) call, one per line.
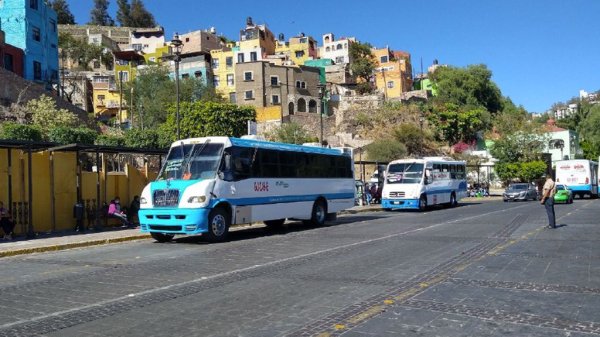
point(63, 187)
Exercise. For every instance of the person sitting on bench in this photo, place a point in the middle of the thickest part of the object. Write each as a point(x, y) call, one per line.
point(114, 211)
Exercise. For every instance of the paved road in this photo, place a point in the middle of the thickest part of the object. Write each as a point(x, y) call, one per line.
point(486, 269)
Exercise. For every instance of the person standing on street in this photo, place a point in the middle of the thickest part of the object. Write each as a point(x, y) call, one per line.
point(548, 201)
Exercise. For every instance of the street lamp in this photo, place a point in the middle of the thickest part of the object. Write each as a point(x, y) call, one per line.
point(321, 88)
point(177, 46)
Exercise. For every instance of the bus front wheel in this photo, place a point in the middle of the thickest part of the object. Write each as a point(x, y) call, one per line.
point(160, 237)
point(218, 225)
point(422, 203)
point(318, 214)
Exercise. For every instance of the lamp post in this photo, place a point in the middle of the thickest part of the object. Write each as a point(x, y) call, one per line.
point(177, 46)
point(321, 88)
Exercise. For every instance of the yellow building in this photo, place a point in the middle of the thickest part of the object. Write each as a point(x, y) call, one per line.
point(107, 99)
point(223, 68)
point(298, 49)
point(257, 37)
point(392, 72)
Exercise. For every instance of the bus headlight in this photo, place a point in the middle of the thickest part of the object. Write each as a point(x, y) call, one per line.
point(143, 201)
point(197, 199)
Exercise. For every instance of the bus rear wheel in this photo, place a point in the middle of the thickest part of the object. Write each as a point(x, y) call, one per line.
point(318, 214)
point(423, 203)
point(218, 225)
point(160, 237)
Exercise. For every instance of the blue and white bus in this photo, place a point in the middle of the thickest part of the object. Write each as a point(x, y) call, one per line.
point(419, 183)
point(580, 175)
point(208, 184)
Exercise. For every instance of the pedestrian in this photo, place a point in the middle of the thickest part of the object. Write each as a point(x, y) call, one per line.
point(134, 207)
point(368, 195)
point(373, 192)
point(114, 211)
point(548, 201)
point(6, 222)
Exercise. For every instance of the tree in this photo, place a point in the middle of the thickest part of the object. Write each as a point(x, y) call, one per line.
point(292, 133)
point(454, 124)
point(590, 133)
point(362, 65)
point(385, 150)
point(18, 131)
point(140, 16)
point(65, 17)
point(124, 13)
point(46, 115)
point(146, 139)
point(417, 142)
point(67, 135)
point(200, 119)
point(470, 86)
point(525, 172)
point(519, 147)
point(99, 15)
point(81, 52)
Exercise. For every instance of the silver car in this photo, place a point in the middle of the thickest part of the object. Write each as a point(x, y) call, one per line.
point(520, 192)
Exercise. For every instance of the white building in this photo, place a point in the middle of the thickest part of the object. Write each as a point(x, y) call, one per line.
point(336, 50)
point(147, 40)
point(562, 143)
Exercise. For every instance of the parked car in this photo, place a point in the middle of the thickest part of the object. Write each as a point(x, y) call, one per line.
point(521, 191)
point(563, 194)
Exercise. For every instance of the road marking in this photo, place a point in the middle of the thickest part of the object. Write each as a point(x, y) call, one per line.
point(246, 269)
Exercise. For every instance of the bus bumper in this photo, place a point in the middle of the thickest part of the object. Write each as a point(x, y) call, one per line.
point(400, 203)
point(174, 220)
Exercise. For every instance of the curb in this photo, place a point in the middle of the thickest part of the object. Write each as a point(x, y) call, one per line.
point(65, 246)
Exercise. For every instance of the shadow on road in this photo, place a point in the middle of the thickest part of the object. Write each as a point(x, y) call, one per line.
point(288, 228)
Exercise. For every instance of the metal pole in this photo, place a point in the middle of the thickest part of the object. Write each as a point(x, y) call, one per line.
point(10, 208)
point(177, 93)
point(98, 206)
point(30, 233)
point(120, 97)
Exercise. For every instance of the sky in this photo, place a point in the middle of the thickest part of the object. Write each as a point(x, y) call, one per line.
point(539, 51)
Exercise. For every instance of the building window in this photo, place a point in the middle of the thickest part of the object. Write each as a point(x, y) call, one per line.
point(229, 61)
point(37, 35)
point(384, 59)
point(249, 94)
point(198, 74)
point(312, 106)
point(390, 84)
point(274, 81)
point(124, 76)
point(53, 25)
point(136, 46)
point(96, 64)
point(33, 4)
point(8, 62)
point(230, 80)
point(232, 97)
point(297, 84)
point(339, 60)
point(301, 105)
point(291, 108)
point(215, 63)
point(299, 53)
point(216, 81)
point(37, 71)
point(328, 49)
point(184, 76)
point(253, 56)
point(240, 58)
point(248, 76)
point(275, 99)
point(339, 46)
point(303, 85)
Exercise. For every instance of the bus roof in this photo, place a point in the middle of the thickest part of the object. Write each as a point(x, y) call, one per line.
point(428, 160)
point(263, 144)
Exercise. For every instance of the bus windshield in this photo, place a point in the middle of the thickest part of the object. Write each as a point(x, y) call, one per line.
point(192, 162)
point(405, 173)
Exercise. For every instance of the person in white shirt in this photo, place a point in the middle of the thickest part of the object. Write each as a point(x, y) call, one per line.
point(548, 200)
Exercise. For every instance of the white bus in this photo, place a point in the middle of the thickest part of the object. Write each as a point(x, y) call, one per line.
point(418, 183)
point(208, 184)
point(580, 175)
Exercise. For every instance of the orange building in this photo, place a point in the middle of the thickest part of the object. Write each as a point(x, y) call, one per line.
point(393, 72)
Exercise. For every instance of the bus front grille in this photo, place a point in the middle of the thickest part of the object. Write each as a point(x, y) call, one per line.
point(163, 198)
point(165, 228)
point(397, 194)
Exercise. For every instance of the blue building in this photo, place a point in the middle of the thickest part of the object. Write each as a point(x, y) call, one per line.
point(31, 25)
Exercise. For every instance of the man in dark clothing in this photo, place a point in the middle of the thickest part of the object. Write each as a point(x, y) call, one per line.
point(6, 223)
point(134, 207)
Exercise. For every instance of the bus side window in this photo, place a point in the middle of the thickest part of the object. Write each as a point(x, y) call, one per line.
point(241, 160)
